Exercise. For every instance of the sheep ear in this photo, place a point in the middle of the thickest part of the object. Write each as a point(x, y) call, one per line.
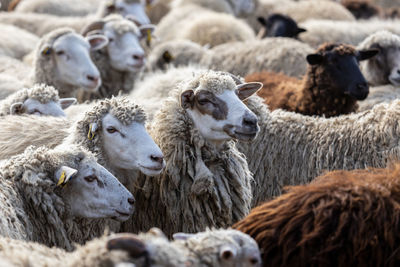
point(93, 27)
point(182, 236)
point(168, 58)
point(366, 54)
point(66, 102)
point(262, 21)
point(97, 41)
point(92, 130)
point(17, 108)
point(245, 90)
point(64, 174)
point(147, 29)
point(129, 243)
point(300, 30)
point(314, 59)
point(187, 99)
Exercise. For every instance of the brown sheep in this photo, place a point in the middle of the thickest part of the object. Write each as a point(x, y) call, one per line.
point(332, 85)
point(365, 9)
point(344, 218)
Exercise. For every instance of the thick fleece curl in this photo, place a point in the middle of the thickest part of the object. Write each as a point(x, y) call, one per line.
point(44, 65)
point(40, 92)
point(46, 215)
point(375, 72)
point(293, 149)
point(113, 81)
point(315, 94)
point(202, 185)
point(345, 218)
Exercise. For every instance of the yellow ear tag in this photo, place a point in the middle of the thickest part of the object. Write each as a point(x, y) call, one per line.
point(148, 39)
point(62, 179)
point(46, 51)
point(90, 134)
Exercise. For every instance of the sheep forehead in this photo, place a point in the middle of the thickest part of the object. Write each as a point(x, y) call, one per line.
point(383, 38)
point(121, 27)
point(340, 49)
point(70, 40)
point(43, 93)
point(213, 82)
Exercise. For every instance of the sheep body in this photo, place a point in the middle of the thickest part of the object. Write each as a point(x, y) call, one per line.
point(18, 42)
point(379, 94)
point(345, 218)
point(57, 7)
point(349, 32)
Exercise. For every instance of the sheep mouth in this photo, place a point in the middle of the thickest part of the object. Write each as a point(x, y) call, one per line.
point(152, 171)
point(122, 216)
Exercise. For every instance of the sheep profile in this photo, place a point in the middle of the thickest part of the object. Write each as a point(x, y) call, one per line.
point(39, 100)
point(331, 87)
point(206, 182)
point(278, 25)
point(50, 196)
point(345, 218)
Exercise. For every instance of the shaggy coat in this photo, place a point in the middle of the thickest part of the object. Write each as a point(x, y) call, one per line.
point(33, 208)
point(40, 92)
point(292, 149)
point(378, 95)
point(202, 185)
point(18, 42)
point(345, 218)
point(315, 94)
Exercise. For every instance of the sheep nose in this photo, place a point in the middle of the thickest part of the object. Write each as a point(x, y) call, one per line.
point(92, 78)
point(362, 86)
point(138, 57)
point(250, 122)
point(158, 159)
point(131, 200)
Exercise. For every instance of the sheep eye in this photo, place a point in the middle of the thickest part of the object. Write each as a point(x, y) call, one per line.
point(59, 53)
point(110, 40)
point(111, 130)
point(90, 178)
point(35, 111)
point(203, 101)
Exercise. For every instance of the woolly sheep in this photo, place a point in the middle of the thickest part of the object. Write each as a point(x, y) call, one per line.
point(39, 100)
point(55, 196)
point(14, 75)
point(346, 218)
point(240, 58)
point(18, 42)
point(211, 248)
point(57, 7)
point(379, 94)
point(331, 87)
point(292, 149)
point(157, 10)
point(193, 192)
point(385, 67)
point(122, 59)
point(349, 32)
point(236, 7)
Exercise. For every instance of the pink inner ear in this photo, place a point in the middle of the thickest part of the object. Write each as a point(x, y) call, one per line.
point(95, 42)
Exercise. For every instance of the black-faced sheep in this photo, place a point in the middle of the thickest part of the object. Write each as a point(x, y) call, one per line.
point(39, 100)
point(278, 25)
point(206, 182)
point(55, 196)
point(346, 218)
point(331, 87)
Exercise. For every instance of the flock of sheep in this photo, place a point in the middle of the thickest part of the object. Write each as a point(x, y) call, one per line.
point(199, 133)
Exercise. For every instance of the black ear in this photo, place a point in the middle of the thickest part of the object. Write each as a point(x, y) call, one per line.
point(262, 21)
point(366, 54)
point(314, 59)
point(187, 99)
point(300, 30)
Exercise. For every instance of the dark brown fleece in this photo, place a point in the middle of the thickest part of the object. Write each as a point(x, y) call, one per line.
point(315, 94)
point(344, 218)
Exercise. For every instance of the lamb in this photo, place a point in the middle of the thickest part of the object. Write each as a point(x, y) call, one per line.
point(331, 87)
point(217, 248)
point(385, 67)
point(292, 149)
point(240, 58)
point(349, 32)
point(39, 100)
point(41, 24)
point(112, 129)
point(18, 42)
point(278, 25)
point(122, 59)
point(194, 129)
point(56, 197)
point(346, 218)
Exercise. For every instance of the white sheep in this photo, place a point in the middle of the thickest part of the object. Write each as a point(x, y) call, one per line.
point(206, 182)
point(217, 248)
point(57, 197)
point(123, 58)
point(39, 100)
point(293, 149)
point(240, 58)
point(18, 43)
point(349, 32)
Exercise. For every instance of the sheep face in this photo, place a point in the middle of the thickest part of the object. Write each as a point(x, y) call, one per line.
point(124, 50)
point(93, 192)
point(135, 8)
point(389, 59)
point(130, 146)
point(278, 25)
point(35, 107)
point(342, 72)
point(73, 63)
point(223, 116)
